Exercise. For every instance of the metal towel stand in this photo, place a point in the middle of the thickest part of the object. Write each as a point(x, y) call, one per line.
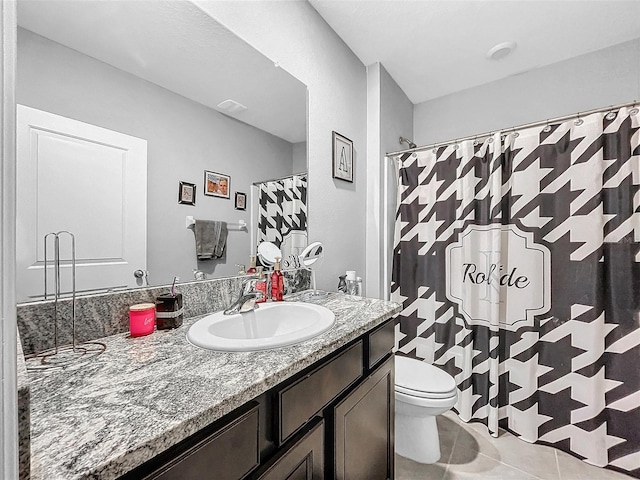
point(60, 356)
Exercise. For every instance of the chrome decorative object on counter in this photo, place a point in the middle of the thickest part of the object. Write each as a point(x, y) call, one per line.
point(310, 256)
point(60, 356)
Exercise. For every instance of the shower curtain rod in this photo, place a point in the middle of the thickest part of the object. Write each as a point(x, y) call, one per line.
point(255, 184)
point(518, 127)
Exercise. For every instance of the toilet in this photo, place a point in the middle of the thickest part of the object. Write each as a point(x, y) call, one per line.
point(422, 391)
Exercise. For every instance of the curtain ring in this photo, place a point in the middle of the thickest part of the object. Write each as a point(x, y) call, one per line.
point(547, 127)
point(610, 115)
point(435, 150)
point(634, 111)
point(475, 141)
point(578, 121)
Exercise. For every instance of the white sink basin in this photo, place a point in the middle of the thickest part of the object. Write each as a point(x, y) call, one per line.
point(271, 325)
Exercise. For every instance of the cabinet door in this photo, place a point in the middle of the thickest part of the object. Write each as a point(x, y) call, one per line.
point(364, 428)
point(301, 459)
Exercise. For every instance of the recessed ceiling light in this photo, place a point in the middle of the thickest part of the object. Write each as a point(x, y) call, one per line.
point(501, 50)
point(231, 106)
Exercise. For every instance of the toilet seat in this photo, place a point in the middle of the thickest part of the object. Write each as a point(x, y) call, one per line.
point(418, 379)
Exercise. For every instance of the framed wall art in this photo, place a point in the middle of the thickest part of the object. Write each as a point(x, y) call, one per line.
point(241, 201)
point(187, 193)
point(216, 184)
point(342, 157)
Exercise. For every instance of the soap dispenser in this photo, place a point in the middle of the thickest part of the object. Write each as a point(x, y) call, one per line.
point(277, 283)
point(261, 285)
point(252, 264)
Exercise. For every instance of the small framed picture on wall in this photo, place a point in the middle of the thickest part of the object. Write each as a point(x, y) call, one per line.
point(186, 193)
point(342, 157)
point(241, 201)
point(216, 184)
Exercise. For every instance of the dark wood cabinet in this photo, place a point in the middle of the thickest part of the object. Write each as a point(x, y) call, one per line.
point(380, 342)
point(229, 453)
point(363, 439)
point(333, 420)
point(301, 459)
point(304, 398)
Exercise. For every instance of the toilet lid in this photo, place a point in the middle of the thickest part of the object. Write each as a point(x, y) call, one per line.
point(417, 378)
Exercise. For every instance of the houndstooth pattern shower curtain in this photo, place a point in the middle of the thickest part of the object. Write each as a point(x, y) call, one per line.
point(282, 216)
point(517, 261)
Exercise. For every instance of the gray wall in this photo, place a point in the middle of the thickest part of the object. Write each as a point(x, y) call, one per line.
point(390, 115)
point(598, 79)
point(184, 139)
point(299, 157)
point(295, 36)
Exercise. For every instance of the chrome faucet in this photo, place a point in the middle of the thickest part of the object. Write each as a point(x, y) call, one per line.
point(247, 300)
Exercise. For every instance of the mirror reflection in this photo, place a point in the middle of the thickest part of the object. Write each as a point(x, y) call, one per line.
point(134, 116)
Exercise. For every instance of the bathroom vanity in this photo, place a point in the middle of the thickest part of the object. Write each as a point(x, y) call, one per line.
point(158, 407)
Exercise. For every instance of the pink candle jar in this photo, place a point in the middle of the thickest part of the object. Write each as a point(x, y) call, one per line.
point(142, 319)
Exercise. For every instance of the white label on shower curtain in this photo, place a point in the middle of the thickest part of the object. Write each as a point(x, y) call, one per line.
point(498, 276)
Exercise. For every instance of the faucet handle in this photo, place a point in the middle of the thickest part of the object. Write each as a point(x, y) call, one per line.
point(249, 284)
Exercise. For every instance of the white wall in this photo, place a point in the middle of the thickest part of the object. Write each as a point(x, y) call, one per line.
point(292, 34)
point(8, 331)
point(184, 139)
point(299, 157)
point(598, 79)
point(389, 116)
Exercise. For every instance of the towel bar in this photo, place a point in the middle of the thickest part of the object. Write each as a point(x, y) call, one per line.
point(241, 225)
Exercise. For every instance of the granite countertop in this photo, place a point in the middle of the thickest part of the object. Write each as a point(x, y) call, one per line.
point(21, 368)
point(103, 417)
point(23, 412)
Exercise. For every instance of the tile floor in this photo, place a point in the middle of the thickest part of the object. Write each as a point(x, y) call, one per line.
point(469, 452)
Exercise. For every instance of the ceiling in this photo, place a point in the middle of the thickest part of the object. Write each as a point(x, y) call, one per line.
point(433, 48)
point(176, 46)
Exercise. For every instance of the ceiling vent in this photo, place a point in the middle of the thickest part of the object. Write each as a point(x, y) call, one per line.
point(501, 50)
point(231, 106)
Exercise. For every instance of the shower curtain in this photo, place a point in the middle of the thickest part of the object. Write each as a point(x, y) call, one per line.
point(517, 261)
point(282, 216)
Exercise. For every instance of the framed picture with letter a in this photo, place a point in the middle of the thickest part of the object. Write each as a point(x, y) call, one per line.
point(342, 157)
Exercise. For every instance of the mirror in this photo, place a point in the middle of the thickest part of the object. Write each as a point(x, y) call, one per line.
point(204, 106)
point(309, 257)
point(268, 253)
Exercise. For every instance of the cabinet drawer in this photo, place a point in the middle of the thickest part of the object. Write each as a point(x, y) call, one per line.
point(301, 400)
point(381, 342)
point(228, 454)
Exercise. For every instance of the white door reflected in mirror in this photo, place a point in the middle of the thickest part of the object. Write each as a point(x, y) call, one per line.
point(87, 180)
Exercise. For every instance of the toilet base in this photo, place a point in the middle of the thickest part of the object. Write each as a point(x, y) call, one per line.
point(417, 438)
